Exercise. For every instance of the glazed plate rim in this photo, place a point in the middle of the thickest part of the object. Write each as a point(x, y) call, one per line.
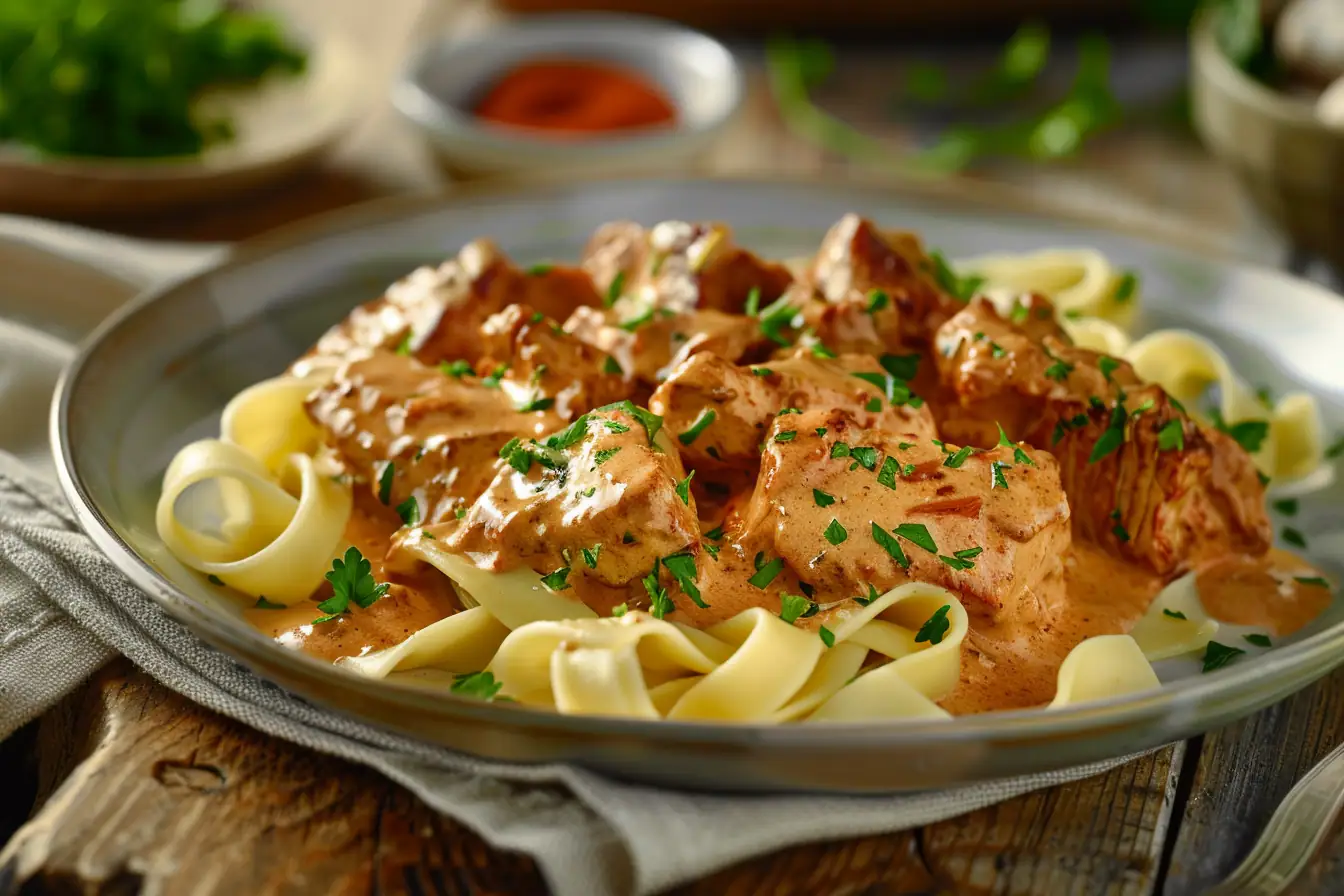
point(1279, 672)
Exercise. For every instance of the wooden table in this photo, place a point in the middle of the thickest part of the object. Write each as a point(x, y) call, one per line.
point(127, 785)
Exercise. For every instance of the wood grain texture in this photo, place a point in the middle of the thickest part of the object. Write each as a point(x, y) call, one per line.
point(1244, 770)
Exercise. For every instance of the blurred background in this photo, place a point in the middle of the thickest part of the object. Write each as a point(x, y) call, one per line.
point(204, 120)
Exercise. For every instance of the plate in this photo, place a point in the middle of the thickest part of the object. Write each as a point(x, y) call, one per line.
point(157, 374)
point(282, 126)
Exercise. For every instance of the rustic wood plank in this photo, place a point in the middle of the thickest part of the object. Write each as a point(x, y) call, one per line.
point(1100, 835)
point(1243, 772)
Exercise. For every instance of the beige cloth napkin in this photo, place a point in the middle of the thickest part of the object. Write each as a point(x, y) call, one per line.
point(65, 610)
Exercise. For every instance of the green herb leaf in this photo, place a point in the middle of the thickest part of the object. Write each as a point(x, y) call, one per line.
point(1286, 506)
point(492, 380)
point(682, 567)
point(887, 475)
point(997, 479)
point(536, 404)
point(649, 420)
point(351, 579)
point(753, 306)
point(702, 422)
point(889, 544)
point(761, 371)
point(1218, 655)
point(456, 369)
point(918, 535)
point(1173, 614)
point(590, 555)
point(556, 581)
point(409, 511)
point(540, 270)
point(956, 460)
point(1171, 437)
point(827, 636)
point(865, 456)
point(385, 481)
point(902, 367)
point(1312, 580)
point(615, 288)
point(835, 533)
point(962, 288)
point(957, 563)
point(792, 606)
point(1294, 537)
point(839, 449)
point(214, 579)
point(877, 300)
point(822, 498)
point(609, 365)
point(787, 436)
point(935, 627)
point(619, 610)
point(603, 455)
point(778, 316)
point(481, 685)
point(1249, 434)
point(264, 604)
point(765, 574)
point(1258, 640)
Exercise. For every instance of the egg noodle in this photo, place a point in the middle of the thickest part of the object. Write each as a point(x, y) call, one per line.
point(260, 509)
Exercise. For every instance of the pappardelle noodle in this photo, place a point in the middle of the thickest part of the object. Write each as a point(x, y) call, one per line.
point(682, 481)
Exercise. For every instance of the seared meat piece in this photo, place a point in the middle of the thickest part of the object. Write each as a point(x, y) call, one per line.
point(601, 485)
point(680, 266)
point(1166, 501)
point(720, 413)
point(435, 312)
point(647, 349)
point(856, 258)
point(857, 507)
point(436, 437)
point(1152, 485)
point(540, 365)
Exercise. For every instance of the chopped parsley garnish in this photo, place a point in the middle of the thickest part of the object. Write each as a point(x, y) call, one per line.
point(1286, 506)
point(491, 381)
point(1174, 614)
point(481, 685)
point(1249, 434)
point(627, 538)
point(1294, 537)
point(888, 543)
point(1107, 364)
point(761, 371)
point(1120, 532)
point(996, 351)
point(820, 430)
point(918, 535)
point(604, 454)
point(1058, 371)
point(590, 555)
point(962, 288)
point(753, 306)
point(569, 436)
point(649, 420)
point(536, 318)
point(786, 436)
point(865, 456)
point(702, 422)
point(792, 606)
point(1336, 448)
point(822, 498)
point(619, 610)
point(264, 604)
point(766, 572)
point(1265, 397)
point(716, 533)
point(404, 346)
point(459, 512)
point(351, 579)
point(214, 579)
point(839, 449)
point(874, 405)
point(958, 563)
point(935, 627)
point(1019, 313)
point(1257, 639)
point(1171, 437)
point(536, 404)
point(1019, 456)
point(615, 288)
point(775, 317)
point(903, 367)
point(872, 596)
point(956, 460)
point(682, 567)
point(611, 366)
point(409, 511)
point(683, 489)
point(636, 322)
point(1312, 580)
point(827, 636)
point(887, 475)
point(835, 533)
point(783, 412)
point(996, 477)
point(819, 350)
point(1063, 426)
point(555, 581)
point(711, 549)
point(385, 481)
point(877, 300)
point(1264, 480)
point(456, 369)
point(1216, 655)
point(539, 270)
point(1113, 436)
point(1125, 288)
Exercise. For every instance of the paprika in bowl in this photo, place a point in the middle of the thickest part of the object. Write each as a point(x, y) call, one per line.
point(571, 94)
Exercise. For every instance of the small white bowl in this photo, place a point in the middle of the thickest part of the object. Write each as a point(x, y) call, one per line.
point(698, 74)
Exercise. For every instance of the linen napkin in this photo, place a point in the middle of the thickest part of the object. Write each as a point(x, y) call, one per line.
point(65, 611)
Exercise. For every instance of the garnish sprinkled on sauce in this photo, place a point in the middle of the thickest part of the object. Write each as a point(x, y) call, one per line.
point(558, 95)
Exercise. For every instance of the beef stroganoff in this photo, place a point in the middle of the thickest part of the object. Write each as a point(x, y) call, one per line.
point(681, 481)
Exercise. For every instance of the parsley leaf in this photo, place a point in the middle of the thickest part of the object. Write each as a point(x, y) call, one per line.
point(1294, 537)
point(1058, 371)
point(761, 371)
point(619, 610)
point(753, 306)
point(702, 422)
point(839, 449)
point(877, 300)
point(481, 685)
point(611, 365)
point(827, 636)
point(962, 288)
point(996, 477)
point(1126, 286)
point(835, 533)
point(792, 606)
point(404, 346)
point(1107, 365)
point(214, 579)
point(385, 481)
point(865, 456)
point(684, 489)
point(958, 563)
point(571, 435)
point(765, 574)
point(1286, 506)
point(536, 404)
point(1312, 580)
point(1174, 614)
point(590, 555)
point(1019, 456)
point(887, 475)
point(1171, 437)
point(918, 535)
point(603, 455)
point(956, 460)
point(1113, 436)
point(935, 627)
point(1257, 639)
point(615, 288)
point(456, 369)
point(822, 498)
point(1218, 655)
point(351, 579)
point(777, 316)
point(649, 420)
point(1249, 434)
point(682, 567)
point(539, 270)
point(903, 367)
point(409, 511)
point(889, 544)
point(555, 581)
point(786, 436)
point(264, 604)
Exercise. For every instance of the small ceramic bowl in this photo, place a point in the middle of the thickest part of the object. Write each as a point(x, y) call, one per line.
point(1291, 164)
point(698, 74)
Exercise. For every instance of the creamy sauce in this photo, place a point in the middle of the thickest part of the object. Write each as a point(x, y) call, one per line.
point(774, 454)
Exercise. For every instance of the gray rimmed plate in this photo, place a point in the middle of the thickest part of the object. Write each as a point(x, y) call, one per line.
point(157, 374)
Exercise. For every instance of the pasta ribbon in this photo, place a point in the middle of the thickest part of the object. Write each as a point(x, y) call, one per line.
point(1176, 622)
point(1080, 282)
point(254, 508)
point(1103, 666)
